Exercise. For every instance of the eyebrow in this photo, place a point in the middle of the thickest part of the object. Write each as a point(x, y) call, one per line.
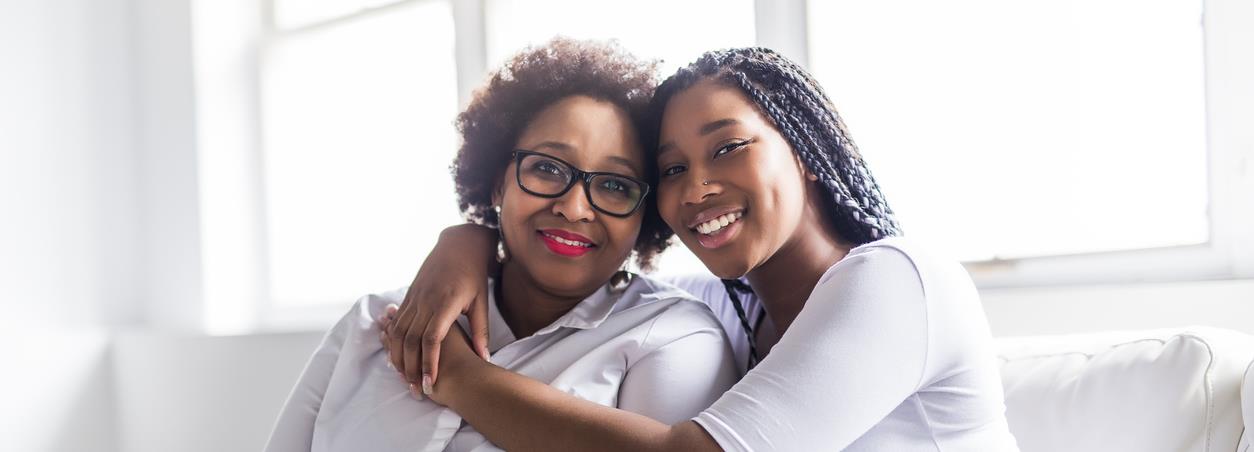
point(713, 126)
point(706, 129)
point(569, 150)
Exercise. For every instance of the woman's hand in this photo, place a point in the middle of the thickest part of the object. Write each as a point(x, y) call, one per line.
point(450, 283)
point(458, 358)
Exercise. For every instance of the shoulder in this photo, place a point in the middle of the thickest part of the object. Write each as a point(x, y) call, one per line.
point(676, 312)
point(898, 260)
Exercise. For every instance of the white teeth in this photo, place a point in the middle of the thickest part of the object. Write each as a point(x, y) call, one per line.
point(567, 242)
point(718, 224)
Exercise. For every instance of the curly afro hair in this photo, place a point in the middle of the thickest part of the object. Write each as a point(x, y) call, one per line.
point(531, 81)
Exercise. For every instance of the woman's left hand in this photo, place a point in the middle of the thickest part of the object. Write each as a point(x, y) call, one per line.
point(456, 358)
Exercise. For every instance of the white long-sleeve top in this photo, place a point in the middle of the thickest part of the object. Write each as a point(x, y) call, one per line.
point(892, 351)
point(649, 348)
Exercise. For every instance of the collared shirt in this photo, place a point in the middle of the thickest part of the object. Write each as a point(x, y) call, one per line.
point(649, 348)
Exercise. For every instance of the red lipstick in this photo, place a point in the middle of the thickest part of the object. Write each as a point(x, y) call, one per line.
point(565, 243)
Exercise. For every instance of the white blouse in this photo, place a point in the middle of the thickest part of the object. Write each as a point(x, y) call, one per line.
point(649, 348)
point(892, 351)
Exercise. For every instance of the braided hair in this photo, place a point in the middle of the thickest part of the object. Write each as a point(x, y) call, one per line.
point(801, 111)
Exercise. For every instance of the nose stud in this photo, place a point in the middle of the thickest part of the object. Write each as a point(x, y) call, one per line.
point(705, 182)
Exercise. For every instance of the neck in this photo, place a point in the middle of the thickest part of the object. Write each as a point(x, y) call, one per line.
point(527, 307)
point(784, 282)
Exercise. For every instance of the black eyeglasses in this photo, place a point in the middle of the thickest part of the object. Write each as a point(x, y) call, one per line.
point(550, 177)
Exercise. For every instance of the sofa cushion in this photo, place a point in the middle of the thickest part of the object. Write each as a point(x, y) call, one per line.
point(1168, 390)
point(1247, 410)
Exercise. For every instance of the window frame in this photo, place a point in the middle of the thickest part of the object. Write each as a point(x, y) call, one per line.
point(1229, 251)
point(782, 25)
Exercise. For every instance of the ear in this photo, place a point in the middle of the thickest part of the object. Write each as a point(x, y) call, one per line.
point(498, 192)
point(805, 172)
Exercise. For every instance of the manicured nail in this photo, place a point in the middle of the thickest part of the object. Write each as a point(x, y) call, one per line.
point(390, 366)
point(484, 353)
point(426, 384)
point(413, 390)
point(391, 310)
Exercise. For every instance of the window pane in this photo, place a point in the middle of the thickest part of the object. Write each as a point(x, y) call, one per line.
point(290, 14)
point(1017, 128)
point(663, 29)
point(358, 141)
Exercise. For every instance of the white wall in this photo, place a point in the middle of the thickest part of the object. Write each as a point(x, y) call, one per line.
point(68, 218)
point(98, 139)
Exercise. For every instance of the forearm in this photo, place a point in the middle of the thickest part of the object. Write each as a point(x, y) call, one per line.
point(472, 240)
point(518, 413)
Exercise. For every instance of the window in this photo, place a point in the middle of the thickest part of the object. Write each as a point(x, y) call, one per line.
point(1075, 126)
point(357, 140)
point(675, 32)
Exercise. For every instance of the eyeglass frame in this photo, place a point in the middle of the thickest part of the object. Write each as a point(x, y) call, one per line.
point(576, 176)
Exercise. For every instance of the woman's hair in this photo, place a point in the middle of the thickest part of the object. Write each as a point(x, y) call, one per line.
point(532, 80)
point(803, 114)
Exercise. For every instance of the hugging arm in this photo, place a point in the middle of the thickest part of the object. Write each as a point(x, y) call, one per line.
point(451, 282)
point(856, 352)
point(518, 413)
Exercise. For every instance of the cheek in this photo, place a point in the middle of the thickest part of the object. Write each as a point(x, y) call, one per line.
point(517, 207)
point(668, 205)
point(623, 232)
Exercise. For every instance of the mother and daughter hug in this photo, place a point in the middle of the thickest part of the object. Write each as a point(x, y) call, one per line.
point(819, 329)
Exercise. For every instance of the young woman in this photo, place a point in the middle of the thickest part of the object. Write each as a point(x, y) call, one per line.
point(865, 341)
point(551, 158)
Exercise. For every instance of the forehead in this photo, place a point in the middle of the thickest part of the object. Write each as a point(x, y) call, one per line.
point(593, 131)
point(705, 101)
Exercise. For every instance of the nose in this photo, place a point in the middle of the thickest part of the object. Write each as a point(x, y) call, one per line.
point(574, 206)
point(698, 187)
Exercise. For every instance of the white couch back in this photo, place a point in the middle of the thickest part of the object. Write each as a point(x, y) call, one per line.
point(1160, 390)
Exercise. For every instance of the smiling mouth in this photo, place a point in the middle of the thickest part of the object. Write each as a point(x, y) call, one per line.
point(715, 225)
point(569, 246)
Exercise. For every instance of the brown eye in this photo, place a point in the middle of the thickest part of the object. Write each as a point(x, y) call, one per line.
point(729, 147)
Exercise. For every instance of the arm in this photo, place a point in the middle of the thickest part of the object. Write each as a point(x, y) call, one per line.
point(856, 351)
point(451, 282)
point(294, 429)
point(518, 413)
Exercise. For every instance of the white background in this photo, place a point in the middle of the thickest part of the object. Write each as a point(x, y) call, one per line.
point(104, 121)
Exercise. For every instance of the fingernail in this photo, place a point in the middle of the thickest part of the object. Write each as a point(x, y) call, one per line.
point(390, 309)
point(426, 384)
point(413, 390)
point(390, 366)
point(484, 353)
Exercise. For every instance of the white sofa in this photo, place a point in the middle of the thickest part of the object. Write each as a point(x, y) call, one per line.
point(1161, 390)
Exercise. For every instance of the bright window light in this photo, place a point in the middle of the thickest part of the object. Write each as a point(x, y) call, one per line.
point(1019, 128)
point(663, 29)
point(358, 139)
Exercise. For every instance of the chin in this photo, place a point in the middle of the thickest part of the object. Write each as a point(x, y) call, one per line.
point(724, 267)
point(570, 281)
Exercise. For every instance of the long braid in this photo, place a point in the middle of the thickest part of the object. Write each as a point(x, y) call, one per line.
point(733, 286)
point(803, 114)
point(805, 117)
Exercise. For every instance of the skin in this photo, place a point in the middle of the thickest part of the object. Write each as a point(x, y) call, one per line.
point(592, 135)
point(783, 246)
point(542, 286)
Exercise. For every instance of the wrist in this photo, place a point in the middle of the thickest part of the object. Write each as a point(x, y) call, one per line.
point(455, 372)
